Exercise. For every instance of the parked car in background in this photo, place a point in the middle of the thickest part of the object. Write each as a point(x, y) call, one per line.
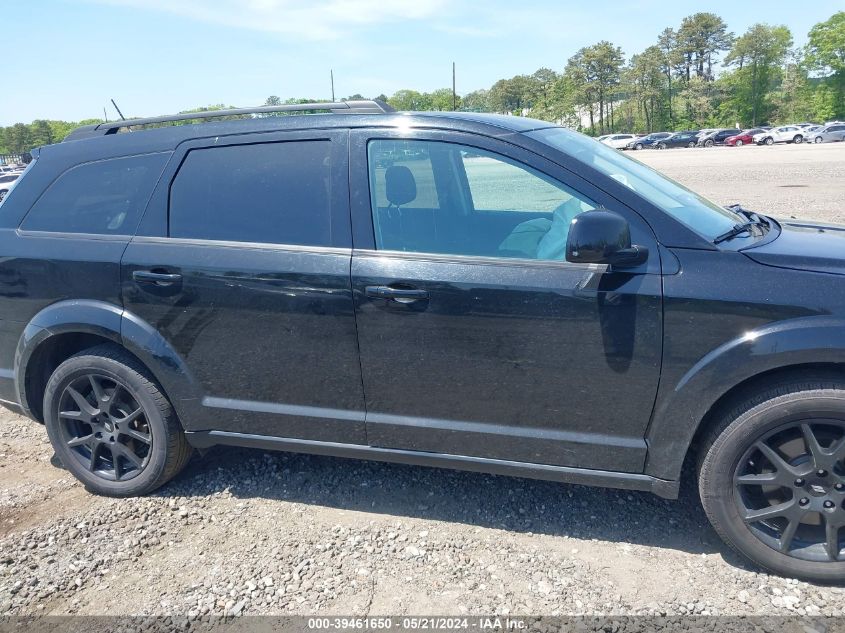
point(647, 141)
point(717, 137)
point(743, 138)
point(687, 138)
point(602, 137)
point(6, 182)
point(618, 141)
point(829, 134)
point(782, 134)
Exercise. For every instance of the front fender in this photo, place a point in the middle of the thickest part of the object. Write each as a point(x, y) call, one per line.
point(680, 407)
point(112, 323)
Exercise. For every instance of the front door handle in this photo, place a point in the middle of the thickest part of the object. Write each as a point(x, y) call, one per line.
point(157, 278)
point(400, 295)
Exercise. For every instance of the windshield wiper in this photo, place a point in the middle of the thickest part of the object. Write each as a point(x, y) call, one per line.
point(754, 221)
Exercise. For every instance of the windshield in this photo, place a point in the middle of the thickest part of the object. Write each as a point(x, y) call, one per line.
point(701, 215)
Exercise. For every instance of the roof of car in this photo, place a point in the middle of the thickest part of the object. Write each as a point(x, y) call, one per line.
point(156, 134)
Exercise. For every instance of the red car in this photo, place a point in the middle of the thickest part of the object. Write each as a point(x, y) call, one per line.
point(743, 138)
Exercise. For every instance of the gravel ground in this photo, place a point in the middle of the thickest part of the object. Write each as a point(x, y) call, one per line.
point(248, 532)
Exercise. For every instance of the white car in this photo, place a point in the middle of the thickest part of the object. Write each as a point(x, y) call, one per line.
point(619, 141)
point(6, 182)
point(782, 134)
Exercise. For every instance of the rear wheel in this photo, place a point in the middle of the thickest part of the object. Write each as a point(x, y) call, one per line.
point(772, 479)
point(111, 426)
point(708, 143)
point(690, 144)
point(797, 139)
point(739, 143)
point(661, 146)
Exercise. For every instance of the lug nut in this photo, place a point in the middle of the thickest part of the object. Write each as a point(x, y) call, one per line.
point(803, 501)
point(829, 504)
point(799, 482)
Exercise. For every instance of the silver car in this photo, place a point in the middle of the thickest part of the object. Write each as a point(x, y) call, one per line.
point(6, 182)
point(830, 134)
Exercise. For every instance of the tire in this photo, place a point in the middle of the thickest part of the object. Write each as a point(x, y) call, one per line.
point(638, 146)
point(798, 139)
point(123, 456)
point(661, 146)
point(739, 143)
point(708, 143)
point(769, 140)
point(802, 422)
point(690, 144)
point(818, 139)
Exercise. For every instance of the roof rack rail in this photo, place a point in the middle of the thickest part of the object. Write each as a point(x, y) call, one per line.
point(374, 106)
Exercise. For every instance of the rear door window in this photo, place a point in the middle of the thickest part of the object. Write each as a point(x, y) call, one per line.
point(277, 193)
point(105, 197)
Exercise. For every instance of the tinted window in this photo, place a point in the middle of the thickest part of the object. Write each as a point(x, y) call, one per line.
point(445, 198)
point(272, 192)
point(106, 197)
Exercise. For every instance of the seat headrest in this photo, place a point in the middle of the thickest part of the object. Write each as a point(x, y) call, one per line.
point(400, 186)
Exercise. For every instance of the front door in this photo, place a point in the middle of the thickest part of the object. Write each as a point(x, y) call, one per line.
point(242, 265)
point(476, 336)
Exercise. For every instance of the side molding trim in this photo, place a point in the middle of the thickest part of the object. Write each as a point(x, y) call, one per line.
point(607, 479)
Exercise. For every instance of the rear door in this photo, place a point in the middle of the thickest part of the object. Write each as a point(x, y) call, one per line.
point(476, 337)
point(242, 264)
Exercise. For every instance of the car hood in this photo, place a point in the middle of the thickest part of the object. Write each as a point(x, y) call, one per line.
point(804, 245)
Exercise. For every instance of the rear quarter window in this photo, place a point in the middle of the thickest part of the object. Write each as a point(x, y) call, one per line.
point(105, 197)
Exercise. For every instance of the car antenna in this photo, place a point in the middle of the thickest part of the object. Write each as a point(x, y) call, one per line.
point(122, 118)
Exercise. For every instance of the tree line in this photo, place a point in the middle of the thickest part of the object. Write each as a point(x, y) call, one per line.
point(695, 75)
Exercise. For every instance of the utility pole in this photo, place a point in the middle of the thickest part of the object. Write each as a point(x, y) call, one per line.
point(105, 115)
point(454, 94)
point(331, 74)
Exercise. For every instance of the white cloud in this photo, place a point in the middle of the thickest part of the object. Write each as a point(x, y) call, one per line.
point(315, 20)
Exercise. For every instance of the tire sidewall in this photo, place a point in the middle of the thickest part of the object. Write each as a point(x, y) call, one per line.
point(77, 367)
point(718, 493)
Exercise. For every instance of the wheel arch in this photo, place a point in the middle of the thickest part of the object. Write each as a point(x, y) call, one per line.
point(68, 327)
point(806, 347)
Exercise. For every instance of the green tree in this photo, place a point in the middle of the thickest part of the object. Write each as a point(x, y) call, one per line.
point(757, 56)
point(476, 101)
point(645, 78)
point(700, 39)
point(595, 73)
point(40, 133)
point(409, 100)
point(826, 54)
point(18, 138)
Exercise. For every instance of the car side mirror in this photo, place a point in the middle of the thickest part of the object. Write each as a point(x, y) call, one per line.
point(602, 237)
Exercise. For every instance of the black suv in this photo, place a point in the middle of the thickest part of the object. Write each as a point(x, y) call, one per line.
point(471, 291)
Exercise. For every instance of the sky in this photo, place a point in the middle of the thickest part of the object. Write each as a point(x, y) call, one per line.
point(64, 59)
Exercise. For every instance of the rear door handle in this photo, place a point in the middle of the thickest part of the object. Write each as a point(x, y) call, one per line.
point(157, 278)
point(400, 295)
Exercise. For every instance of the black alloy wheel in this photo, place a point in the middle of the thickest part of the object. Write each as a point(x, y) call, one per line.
point(790, 489)
point(772, 477)
point(111, 425)
point(105, 427)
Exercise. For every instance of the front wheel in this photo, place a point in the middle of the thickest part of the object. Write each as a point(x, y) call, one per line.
point(797, 139)
point(818, 139)
point(708, 143)
point(739, 143)
point(772, 479)
point(638, 146)
point(690, 144)
point(111, 426)
point(661, 146)
point(769, 141)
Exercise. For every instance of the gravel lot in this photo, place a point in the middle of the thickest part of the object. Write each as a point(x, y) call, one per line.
point(247, 532)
